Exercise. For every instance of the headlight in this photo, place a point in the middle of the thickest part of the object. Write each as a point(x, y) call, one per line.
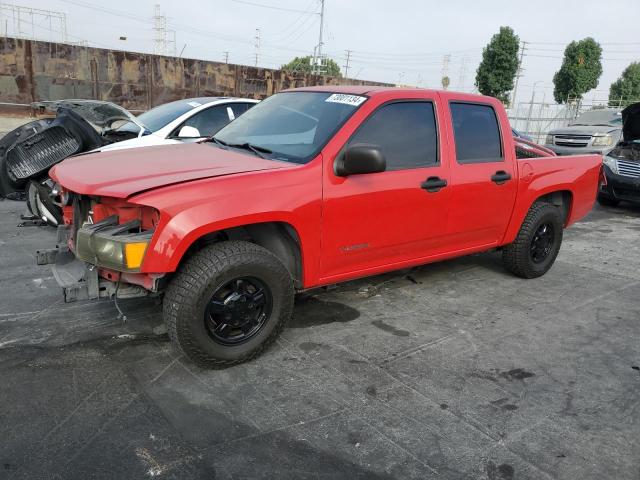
point(549, 140)
point(610, 162)
point(107, 244)
point(602, 141)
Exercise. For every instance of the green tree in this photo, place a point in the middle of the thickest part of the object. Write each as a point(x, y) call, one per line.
point(303, 65)
point(626, 89)
point(497, 71)
point(580, 71)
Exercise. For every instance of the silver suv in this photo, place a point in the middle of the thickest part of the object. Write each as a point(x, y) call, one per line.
point(596, 131)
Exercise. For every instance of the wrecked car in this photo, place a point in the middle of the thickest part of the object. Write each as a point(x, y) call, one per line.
point(622, 164)
point(311, 187)
point(28, 152)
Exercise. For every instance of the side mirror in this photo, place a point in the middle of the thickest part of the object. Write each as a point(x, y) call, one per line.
point(189, 132)
point(359, 159)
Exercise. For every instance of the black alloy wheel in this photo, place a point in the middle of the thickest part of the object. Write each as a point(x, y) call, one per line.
point(542, 242)
point(238, 310)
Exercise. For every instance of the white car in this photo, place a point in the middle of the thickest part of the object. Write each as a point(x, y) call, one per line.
point(185, 120)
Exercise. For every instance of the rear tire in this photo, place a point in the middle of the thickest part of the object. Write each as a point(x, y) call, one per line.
point(227, 303)
point(608, 201)
point(536, 247)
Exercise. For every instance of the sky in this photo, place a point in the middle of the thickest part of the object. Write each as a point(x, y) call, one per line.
point(400, 41)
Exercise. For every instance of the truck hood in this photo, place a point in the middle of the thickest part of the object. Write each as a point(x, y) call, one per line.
point(123, 173)
point(631, 122)
point(584, 130)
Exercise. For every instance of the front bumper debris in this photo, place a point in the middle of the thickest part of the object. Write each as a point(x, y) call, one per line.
point(80, 280)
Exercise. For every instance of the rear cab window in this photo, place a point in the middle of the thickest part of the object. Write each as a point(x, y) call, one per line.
point(476, 132)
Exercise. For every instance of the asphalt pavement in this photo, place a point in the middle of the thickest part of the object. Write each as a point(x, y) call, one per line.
point(448, 371)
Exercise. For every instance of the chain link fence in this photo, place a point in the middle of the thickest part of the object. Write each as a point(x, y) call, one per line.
point(535, 119)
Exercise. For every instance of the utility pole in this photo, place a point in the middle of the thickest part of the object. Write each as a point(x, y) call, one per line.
point(226, 57)
point(518, 73)
point(257, 45)
point(317, 57)
point(346, 65)
point(533, 97)
point(463, 73)
point(445, 71)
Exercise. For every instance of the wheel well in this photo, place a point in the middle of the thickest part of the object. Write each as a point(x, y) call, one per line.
point(279, 238)
point(561, 199)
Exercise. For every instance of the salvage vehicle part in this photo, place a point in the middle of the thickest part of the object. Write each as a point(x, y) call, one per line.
point(312, 187)
point(622, 164)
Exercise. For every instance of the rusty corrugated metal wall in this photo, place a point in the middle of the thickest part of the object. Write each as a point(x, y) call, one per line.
point(32, 71)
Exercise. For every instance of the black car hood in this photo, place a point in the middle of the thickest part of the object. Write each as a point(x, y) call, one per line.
point(98, 113)
point(631, 122)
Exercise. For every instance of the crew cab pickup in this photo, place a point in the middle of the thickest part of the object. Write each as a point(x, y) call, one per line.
point(310, 187)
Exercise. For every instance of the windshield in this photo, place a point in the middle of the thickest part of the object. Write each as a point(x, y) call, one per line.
point(599, 117)
point(291, 126)
point(160, 116)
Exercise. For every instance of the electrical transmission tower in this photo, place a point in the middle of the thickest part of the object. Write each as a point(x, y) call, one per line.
point(257, 45)
point(164, 42)
point(32, 23)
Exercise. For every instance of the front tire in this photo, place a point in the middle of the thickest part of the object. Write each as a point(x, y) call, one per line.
point(538, 242)
point(227, 303)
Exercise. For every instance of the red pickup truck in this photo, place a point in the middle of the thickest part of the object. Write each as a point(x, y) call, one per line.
point(311, 187)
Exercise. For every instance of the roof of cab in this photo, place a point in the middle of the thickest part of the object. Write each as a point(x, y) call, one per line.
point(371, 91)
point(350, 89)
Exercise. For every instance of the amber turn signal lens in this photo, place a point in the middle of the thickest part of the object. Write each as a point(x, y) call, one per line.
point(134, 253)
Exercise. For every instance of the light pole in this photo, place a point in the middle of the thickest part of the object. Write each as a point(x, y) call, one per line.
point(533, 96)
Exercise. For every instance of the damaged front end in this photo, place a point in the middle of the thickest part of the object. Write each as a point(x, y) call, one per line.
point(100, 250)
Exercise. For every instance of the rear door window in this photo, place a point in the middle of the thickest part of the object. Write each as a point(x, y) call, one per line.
point(477, 133)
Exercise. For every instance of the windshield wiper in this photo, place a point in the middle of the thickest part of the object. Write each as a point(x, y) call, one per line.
point(218, 141)
point(257, 149)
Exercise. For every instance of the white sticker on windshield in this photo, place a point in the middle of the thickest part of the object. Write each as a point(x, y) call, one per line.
point(194, 104)
point(354, 100)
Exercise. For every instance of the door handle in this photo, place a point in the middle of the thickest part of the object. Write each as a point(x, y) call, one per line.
point(433, 184)
point(500, 177)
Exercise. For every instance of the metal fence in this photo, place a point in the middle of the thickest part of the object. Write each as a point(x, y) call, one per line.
point(535, 119)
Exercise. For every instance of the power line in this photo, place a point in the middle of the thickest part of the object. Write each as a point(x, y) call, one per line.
point(295, 26)
point(262, 5)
